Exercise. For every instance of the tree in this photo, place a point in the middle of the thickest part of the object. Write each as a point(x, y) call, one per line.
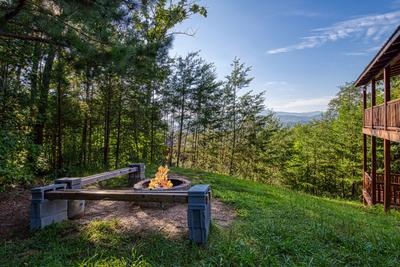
point(237, 80)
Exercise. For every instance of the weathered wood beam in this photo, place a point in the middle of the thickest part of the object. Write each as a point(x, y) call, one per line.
point(119, 195)
point(393, 136)
point(364, 101)
point(373, 144)
point(107, 175)
point(386, 145)
point(387, 178)
point(386, 81)
point(373, 100)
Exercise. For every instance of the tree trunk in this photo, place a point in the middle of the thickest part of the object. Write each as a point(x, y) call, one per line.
point(44, 93)
point(54, 151)
point(107, 120)
point(117, 148)
point(83, 153)
point(90, 141)
point(152, 128)
point(59, 117)
point(4, 85)
point(171, 152)
point(90, 122)
point(231, 165)
point(34, 78)
point(182, 112)
point(194, 148)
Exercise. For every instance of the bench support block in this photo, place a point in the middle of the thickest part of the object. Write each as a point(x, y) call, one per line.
point(135, 177)
point(44, 212)
point(199, 213)
point(76, 208)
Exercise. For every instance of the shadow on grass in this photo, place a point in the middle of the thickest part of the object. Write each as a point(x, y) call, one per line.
point(276, 227)
point(103, 243)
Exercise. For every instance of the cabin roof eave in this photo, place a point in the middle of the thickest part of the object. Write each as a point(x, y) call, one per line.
point(387, 55)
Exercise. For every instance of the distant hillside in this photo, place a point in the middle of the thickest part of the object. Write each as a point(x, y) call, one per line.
point(292, 118)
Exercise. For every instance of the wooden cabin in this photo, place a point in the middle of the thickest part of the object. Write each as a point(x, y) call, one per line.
point(381, 121)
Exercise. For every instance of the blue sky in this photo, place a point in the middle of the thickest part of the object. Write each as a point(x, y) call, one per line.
point(300, 51)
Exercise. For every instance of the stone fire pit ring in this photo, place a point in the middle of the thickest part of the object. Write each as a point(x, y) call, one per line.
point(178, 184)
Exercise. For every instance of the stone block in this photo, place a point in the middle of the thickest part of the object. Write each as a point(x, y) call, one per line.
point(76, 208)
point(44, 212)
point(137, 176)
point(199, 213)
point(39, 223)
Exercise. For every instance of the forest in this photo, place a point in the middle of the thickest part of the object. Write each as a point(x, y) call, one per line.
point(89, 85)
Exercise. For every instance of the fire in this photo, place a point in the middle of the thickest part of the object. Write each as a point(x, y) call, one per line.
point(161, 179)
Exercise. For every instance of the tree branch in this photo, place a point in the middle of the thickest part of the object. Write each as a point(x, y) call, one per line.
point(30, 38)
point(8, 16)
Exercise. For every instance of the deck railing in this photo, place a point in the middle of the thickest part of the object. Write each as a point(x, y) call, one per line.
point(374, 117)
point(395, 189)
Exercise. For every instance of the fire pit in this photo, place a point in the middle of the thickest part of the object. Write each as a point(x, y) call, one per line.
point(161, 182)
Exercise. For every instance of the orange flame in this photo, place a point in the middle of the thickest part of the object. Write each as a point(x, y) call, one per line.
point(161, 179)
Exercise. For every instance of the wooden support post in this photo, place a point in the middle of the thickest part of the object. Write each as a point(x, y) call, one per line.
point(386, 81)
point(364, 102)
point(387, 178)
point(364, 140)
point(386, 145)
point(373, 101)
point(373, 144)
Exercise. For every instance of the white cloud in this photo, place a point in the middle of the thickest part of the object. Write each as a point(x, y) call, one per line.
point(301, 104)
point(269, 83)
point(370, 27)
point(302, 13)
point(363, 53)
point(279, 86)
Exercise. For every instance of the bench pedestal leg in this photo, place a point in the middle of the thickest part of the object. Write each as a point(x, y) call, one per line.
point(199, 213)
point(137, 176)
point(76, 208)
point(44, 212)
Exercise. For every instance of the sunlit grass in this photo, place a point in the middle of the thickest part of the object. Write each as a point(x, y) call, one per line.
point(274, 226)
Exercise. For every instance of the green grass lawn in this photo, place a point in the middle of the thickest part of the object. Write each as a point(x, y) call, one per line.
point(274, 227)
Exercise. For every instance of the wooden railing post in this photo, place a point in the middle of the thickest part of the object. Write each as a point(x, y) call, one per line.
point(373, 101)
point(364, 103)
point(373, 144)
point(386, 80)
point(386, 142)
point(364, 140)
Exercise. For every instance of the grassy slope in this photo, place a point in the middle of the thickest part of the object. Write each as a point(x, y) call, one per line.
point(275, 226)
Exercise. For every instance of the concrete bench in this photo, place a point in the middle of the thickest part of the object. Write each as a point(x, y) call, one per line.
point(65, 200)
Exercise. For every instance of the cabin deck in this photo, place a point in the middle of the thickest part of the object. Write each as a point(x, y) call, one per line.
point(374, 121)
point(379, 190)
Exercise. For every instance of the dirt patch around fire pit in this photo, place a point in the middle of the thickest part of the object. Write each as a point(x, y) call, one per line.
point(170, 219)
point(14, 213)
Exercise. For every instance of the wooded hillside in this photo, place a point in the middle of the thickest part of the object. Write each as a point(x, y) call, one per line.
point(87, 86)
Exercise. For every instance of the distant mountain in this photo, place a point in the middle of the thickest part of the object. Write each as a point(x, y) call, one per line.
point(293, 118)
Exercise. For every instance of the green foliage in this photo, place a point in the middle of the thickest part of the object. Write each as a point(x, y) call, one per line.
point(90, 86)
point(274, 227)
point(80, 84)
point(327, 153)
